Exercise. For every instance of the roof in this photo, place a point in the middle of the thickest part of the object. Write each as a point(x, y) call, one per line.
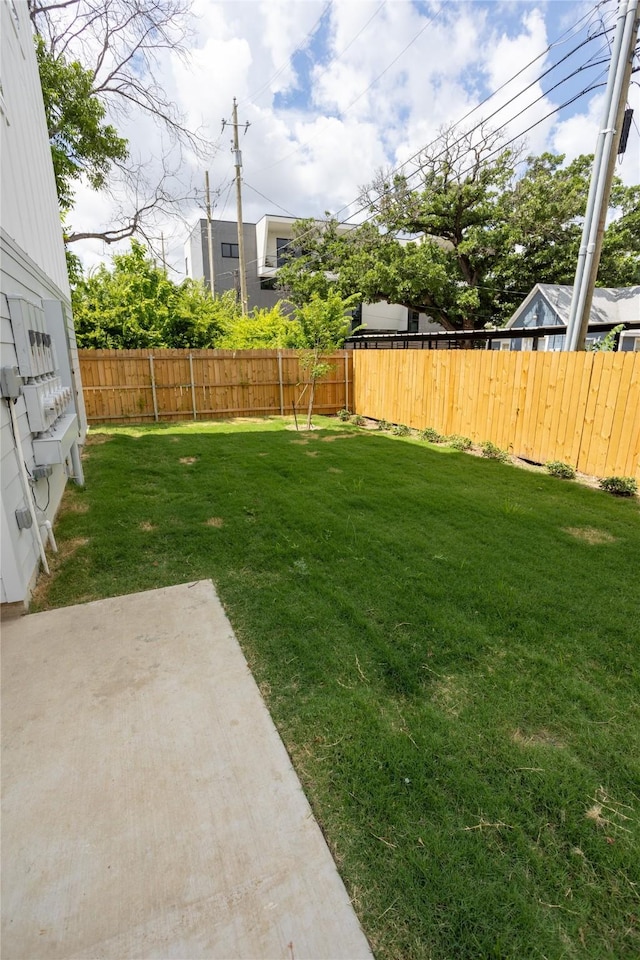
point(610, 304)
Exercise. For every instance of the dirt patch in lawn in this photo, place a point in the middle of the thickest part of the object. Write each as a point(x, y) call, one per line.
point(337, 436)
point(76, 506)
point(450, 695)
point(590, 534)
point(214, 522)
point(66, 549)
point(188, 460)
point(311, 453)
point(147, 527)
point(541, 738)
point(300, 443)
point(95, 439)
point(334, 470)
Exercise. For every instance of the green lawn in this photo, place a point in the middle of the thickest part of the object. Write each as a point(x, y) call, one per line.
point(451, 660)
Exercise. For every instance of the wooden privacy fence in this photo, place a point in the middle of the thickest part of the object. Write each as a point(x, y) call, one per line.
point(580, 408)
point(139, 385)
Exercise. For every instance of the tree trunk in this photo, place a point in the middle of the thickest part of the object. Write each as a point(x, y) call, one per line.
point(312, 394)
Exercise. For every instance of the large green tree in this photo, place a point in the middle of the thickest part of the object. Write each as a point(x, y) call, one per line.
point(466, 236)
point(82, 142)
point(99, 65)
point(135, 305)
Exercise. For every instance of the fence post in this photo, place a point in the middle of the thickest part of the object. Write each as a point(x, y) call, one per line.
point(193, 388)
point(280, 382)
point(346, 380)
point(153, 389)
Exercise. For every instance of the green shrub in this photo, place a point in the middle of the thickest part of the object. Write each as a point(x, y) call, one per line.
point(620, 486)
point(460, 443)
point(431, 435)
point(559, 469)
point(344, 415)
point(401, 430)
point(492, 452)
point(384, 425)
point(358, 420)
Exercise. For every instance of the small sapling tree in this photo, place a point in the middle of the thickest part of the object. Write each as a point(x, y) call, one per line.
point(325, 324)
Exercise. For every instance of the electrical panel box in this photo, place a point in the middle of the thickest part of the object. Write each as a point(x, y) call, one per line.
point(34, 346)
point(54, 447)
point(46, 400)
point(10, 383)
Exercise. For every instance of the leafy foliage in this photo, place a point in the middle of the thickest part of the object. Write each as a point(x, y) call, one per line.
point(564, 471)
point(262, 329)
point(460, 443)
point(492, 452)
point(135, 305)
point(608, 343)
point(620, 486)
point(81, 141)
point(324, 326)
point(431, 435)
point(466, 235)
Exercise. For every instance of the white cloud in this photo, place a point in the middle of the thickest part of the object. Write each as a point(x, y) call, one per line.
point(315, 154)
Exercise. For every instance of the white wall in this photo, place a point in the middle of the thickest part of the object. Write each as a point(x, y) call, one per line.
point(29, 202)
point(194, 265)
point(32, 267)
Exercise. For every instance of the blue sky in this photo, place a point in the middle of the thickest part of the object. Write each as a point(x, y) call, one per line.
point(334, 91)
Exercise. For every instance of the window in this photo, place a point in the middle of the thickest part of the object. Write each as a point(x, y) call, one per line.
point(281, 248)
point(414, 321)
point(267, 284)
point(230, 250)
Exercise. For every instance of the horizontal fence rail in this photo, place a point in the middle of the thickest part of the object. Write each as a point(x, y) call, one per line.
point(123, 386)
point(580, 408)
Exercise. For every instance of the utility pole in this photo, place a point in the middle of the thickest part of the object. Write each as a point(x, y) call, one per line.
point(212, 279)
point(238, 159)
point(602, 174)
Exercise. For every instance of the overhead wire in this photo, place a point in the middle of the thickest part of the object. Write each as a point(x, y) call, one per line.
point(500, 147)
point(298, 49)
point(306, 143)
point(563, 38)
point(269, 200)
point(334, 60)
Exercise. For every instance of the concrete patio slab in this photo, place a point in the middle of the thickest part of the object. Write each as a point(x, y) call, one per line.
point(150, 809)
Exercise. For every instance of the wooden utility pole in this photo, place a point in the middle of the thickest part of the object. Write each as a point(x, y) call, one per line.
point(238, 163)
point(207, 195)
point(602, 175)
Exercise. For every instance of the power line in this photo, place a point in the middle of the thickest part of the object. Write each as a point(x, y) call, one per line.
point(268, 199)
point(491, 115)
point(298, 49)
point(499, 148)
point(569, 32)
point(306, 143)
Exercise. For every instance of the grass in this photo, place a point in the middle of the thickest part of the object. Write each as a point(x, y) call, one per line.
point(448, 645)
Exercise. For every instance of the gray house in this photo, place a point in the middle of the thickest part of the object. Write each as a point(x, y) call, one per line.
point(265, 246)
point(549, 304)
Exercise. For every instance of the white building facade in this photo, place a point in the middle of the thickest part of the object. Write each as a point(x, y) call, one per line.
point(42, 417)
point(265, 245)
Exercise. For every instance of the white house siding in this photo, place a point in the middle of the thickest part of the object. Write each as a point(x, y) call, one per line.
point(29, 202)
point(33, 268)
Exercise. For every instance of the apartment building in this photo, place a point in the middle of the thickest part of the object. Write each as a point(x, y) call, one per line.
point(265, 246)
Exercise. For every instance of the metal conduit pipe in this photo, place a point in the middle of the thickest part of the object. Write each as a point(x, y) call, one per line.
point(78, 474)
point(27, 489)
